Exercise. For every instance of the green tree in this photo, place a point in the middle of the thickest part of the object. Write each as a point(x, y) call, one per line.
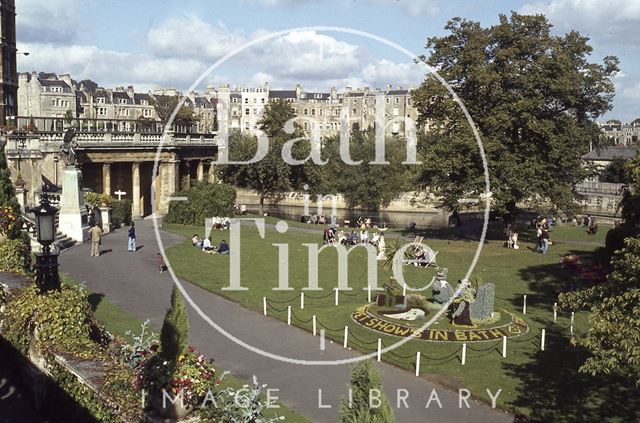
point(271, 176)
point(369, 186)
point(174, 334)
point(613, 338)
point(203, 200)
point(366, 383)
point(166, 104)
point(533, 97)
point(615, 172)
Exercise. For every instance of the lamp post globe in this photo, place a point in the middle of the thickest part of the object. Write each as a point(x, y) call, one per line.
point(47, 277)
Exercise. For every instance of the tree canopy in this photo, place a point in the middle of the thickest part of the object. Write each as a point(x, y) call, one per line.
point(533, 97)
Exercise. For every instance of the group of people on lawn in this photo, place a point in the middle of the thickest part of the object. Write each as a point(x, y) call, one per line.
point(206, 245)
point(332, 236)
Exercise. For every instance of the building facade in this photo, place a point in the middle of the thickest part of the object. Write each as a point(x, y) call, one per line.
point(619, 133)
point(8, 70)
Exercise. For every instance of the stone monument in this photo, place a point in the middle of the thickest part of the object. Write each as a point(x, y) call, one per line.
point(73, 220)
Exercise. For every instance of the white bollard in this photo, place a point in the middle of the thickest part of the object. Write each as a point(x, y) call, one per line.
point(572, 318)
point(464, 353)
point(368, 293)
point(379, 349)
point(542, 340)
point(504, 347)
point(345, 342)
point(555, 312)
point(264, 305)
point(302, 301)
point(289, 315)
point(337, 293)
point(314, 324)
point(418, 363)
point(404, 289)
point(524, 305)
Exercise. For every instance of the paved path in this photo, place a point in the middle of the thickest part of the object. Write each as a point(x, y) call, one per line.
point(131, 281)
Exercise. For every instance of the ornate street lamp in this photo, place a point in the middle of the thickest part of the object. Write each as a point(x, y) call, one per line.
point(47, 277)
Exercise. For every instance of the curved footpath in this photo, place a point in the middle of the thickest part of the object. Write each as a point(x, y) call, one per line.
point(131, 281)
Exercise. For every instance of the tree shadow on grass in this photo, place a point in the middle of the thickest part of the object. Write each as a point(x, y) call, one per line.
point(553, 389)
point(94, 299)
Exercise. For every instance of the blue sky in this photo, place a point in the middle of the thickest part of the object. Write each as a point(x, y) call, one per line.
point(151, 43)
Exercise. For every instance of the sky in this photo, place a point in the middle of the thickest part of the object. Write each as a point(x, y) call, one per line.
point(152, 43)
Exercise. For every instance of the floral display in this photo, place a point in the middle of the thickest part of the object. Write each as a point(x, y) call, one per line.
point(8, 219)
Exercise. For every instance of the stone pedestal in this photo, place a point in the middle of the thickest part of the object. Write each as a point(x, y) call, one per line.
point(73, 214)
point(105, 214)
point(21, 194)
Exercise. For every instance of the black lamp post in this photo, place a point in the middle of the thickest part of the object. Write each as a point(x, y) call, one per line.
point(47, 277)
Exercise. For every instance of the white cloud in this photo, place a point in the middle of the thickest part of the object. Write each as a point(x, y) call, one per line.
point(309, 55)
point(47, 21)
point(615, 21)
point(386, 72)
point(190, 36)
point(413, 7)
point(109, 68)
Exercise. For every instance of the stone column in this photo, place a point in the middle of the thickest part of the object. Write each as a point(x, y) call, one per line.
point(136, 209)
point(105, 214)
point(211, 173)
point(187, 177)
point(106, 178)
point(200, 171)
point(170, 182)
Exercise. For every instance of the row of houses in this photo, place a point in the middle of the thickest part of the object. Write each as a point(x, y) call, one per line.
point(240, 108)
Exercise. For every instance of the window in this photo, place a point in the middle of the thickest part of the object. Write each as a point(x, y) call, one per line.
point(262, 100)
point(353, 111)
point(396, 112)
point(255, 111)
point(255, 100)
point(388, 100)
point(146, 113)
point(144, 102)
point(122, 101)
point(305, 125)
point(305, 112)
point(101, 111)
point(235, 100)
point(313, 112)
point(100, 100)
point(397, 100)
point(246, 100)
point(246, 111)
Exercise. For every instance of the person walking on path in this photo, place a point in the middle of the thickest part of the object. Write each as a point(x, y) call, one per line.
point(95, 233)
point(132, 237)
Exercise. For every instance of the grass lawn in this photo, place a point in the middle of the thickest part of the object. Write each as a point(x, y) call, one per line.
point(118, 322)
point(545, 384)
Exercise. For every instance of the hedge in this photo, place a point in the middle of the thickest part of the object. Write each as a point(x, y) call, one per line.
point(204, 200)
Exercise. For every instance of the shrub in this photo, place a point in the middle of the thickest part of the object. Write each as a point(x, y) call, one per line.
point(615, 238)
point(120, 212)
point(15, 256)
point(97, 198)
point(204, 200)
point(365, 379)
point(174, 334)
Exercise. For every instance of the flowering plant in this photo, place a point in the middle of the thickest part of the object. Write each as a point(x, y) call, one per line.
point(192, 376)
point(8, 219)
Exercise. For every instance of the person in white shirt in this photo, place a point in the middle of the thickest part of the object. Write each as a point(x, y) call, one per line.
point(206, 244)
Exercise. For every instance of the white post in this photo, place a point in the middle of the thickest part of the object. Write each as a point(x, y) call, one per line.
point(346, 337)
point(337, 292)
point(314, 324)
point(418, 363)
point(289, 315)
point(572, 318)
point(542, 340)
point(368, 293)
point(464, 353)
point(404, 289)
point(524, 305)
point(504, 347)
point(555, 312)
point(379, 349)
point(264, 305)
point(302, 301)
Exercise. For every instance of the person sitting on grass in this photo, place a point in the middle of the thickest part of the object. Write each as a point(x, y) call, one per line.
point(223, 248)
point(206, 244)
point(196, 241)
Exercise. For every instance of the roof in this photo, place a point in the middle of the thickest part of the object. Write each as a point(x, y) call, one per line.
point(355, 94)
point(610, 153)
point(282, 94)
point(82, 98)
point(55, 83)
point(398, 92)
point(138, 98)
point(203, 102)
point(120, 95)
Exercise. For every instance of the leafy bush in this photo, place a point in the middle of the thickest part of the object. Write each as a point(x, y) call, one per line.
point(364, 380)
point(204, 200)
point(120, 212)
point(174, 334)
point(97, 198)
point(61, 317)
point(15, 256)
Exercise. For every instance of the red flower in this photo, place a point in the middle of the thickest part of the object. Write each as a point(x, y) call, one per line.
point(191, 349)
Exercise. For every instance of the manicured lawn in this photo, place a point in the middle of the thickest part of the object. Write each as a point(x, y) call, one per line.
point(525, 372)
point(118, 322)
